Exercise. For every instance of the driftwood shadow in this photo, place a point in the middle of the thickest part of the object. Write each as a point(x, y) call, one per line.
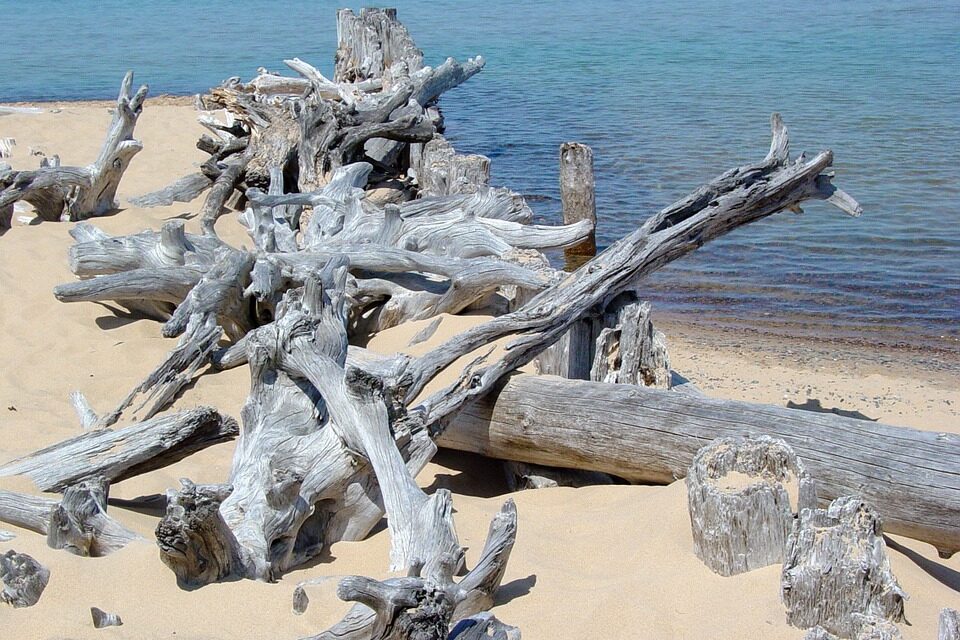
point(816, 406)
point(515, 589)
point(476, 476)
point(943, 574)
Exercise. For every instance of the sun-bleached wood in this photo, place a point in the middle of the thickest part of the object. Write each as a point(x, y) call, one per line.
point(103, 619)
point(578, 197)
point(836, 567)
point(23, 579)
point(629, 350)
point(77, 193)
point(949, 628)
point(651, 436)
point(123, 453)
point(745, 528)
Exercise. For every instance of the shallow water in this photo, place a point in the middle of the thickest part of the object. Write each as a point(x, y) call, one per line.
point(668, 94)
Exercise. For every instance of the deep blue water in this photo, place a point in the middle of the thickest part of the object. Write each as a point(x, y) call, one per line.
point(668, 94)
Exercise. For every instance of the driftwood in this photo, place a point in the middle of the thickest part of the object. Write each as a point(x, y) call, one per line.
point(123, 453)
point(330, 444)
point(649, 435)
point(577, 193)
point(77, 193)
point(78, 523)
point(742, 523)
point(836, 568)
point(949, 625)
point(23, 579)
point(103, 619)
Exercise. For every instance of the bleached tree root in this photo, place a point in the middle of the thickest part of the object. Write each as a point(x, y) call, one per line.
point(836, 570)
point(745, 525)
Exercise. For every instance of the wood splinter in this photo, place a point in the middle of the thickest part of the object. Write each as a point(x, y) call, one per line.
point(740, 510)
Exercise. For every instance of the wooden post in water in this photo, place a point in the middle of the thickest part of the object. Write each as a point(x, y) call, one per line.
point(577, 195)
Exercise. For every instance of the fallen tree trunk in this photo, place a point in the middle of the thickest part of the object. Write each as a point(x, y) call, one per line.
point(649, 435)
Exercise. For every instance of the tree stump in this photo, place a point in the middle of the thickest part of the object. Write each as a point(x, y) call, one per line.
point(23, 579)
point(740, 510)
point(836, 571)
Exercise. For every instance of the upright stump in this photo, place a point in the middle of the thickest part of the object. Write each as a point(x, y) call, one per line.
point(579, 200)
point(836, 573)
point(740, 511)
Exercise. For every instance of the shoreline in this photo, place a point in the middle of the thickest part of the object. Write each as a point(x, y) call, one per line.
point(915, 347)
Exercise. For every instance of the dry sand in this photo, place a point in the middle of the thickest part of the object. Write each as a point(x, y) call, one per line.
point(600, 562)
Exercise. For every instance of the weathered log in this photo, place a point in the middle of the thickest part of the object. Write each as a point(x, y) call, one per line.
point(78, 193)
point(650, 435)
point(733, 199)
point(949, 625)
point(185, 189)
point(836, 566)
point(103, 619)
point(123, 453)
point(740, 510)
point(577, 194)
point(23, 579)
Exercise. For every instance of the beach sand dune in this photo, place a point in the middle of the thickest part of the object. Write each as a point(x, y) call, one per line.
point(600, 562)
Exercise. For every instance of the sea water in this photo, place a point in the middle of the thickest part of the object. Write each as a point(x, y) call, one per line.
point(668, 94)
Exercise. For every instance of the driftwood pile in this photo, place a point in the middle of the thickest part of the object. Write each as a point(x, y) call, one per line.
point(364, 217)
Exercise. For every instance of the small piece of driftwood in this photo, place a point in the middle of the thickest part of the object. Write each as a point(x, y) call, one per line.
point(949, 625)
point(23, 579)
point(836, 570)
point(103, 619)
point(745, 526)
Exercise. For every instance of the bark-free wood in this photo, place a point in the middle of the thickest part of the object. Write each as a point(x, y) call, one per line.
point(23, 579)
point(836, 566)
point(649, 435)
point(949, 625)
point(77, 193)
point(80, 523)
point(577, 194)
point(740, 529)
point(123, 453)
point(103, 619)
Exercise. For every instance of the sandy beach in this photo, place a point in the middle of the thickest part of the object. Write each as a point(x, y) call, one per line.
point(597, 562)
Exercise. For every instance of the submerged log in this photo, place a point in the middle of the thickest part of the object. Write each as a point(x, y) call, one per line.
point(836, 570)
point(23, 579)
point(649, 435)
point(740, 510)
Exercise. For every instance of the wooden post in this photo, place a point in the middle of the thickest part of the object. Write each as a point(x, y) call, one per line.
point(577, 195)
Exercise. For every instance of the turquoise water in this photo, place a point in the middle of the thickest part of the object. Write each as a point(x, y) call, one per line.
point(668, 94)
